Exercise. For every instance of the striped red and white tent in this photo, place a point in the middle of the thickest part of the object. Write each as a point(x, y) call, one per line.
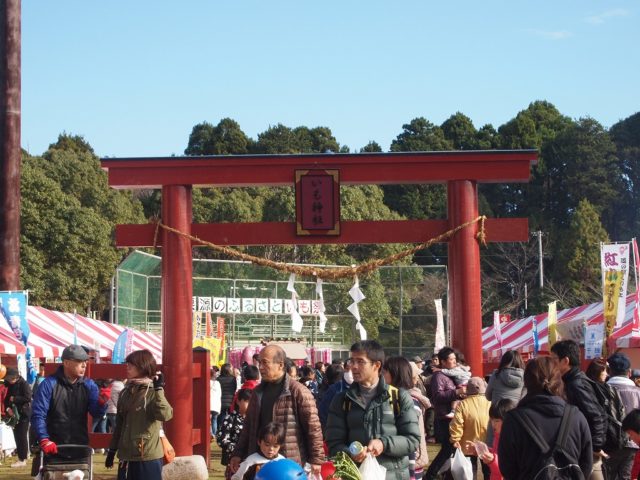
point(59, 329)
point(518, 334)
point(9, 344)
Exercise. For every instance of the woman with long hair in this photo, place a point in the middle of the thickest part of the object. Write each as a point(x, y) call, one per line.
point(228, 387)
point(397, 371)
point(543, 409)
point(142, 407)
point(506, 382)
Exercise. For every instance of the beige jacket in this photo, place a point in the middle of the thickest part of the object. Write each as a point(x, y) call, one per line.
point(470, 421)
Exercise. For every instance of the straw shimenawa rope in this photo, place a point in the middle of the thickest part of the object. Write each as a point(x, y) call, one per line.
point(331, 273)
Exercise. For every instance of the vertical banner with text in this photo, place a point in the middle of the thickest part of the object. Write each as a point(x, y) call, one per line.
point(615, 257)
point(552, 323)
point(497, 330)
point(13, 307)
point(610, 297)
point(636, 269)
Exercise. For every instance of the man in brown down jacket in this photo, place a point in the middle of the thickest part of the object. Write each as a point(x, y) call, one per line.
point(281, 399)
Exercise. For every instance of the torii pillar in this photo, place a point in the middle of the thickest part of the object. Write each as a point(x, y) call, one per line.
point(465, 310)
point(460, 171)
point(177, 291)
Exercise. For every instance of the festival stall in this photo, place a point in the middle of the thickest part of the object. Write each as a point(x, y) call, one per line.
point(9, 345)
point(56, 330)
point(294, 350)
point(571, 324)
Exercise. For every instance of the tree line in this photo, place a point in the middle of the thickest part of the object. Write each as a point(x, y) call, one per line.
point(584, 190)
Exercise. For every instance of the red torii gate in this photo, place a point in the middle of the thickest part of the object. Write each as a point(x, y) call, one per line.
point(460, 170)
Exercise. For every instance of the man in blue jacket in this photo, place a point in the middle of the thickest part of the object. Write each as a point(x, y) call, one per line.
point(61, 404)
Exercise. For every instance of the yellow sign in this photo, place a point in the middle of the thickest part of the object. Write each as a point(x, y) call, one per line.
point(611, 295)
point(552, 323)
point(215, 347)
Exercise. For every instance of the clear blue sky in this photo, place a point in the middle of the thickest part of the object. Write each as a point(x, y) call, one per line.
point(133, 77)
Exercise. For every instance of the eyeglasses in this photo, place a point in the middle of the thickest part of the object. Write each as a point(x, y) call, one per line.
point(360, 362)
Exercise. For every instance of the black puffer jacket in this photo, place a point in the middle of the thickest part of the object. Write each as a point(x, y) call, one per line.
point(518, 455)
point(580, 393)
point(228, 386)
point(21, 393)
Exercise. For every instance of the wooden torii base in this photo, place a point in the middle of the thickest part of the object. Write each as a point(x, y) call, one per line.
point(176, 176)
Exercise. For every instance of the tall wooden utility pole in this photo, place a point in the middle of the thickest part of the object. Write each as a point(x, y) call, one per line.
point(10, 145)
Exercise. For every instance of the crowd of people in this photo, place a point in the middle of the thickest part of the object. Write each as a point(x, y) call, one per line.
point(52, 414)
point(522, 421)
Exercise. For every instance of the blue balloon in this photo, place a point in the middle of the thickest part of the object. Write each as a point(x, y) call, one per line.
point(283, 469)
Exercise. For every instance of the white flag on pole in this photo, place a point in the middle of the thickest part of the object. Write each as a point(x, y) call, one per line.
point(321, 315)
point(440, 339)
point(296, 319)
point(357, 296)
point(497, 330)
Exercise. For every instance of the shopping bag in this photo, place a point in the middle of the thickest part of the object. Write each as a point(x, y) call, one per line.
point(167, 448)
point(461, 466)
point(370, 469)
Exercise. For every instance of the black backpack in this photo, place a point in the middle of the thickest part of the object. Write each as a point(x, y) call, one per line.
point(610, 402)
point(554, 463)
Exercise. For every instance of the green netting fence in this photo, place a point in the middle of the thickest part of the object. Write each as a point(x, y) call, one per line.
point(399, 302)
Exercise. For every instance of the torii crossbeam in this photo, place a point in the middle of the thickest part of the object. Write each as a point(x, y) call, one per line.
point(460, 170)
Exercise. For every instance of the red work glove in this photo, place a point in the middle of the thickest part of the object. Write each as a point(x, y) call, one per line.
point(48, 447)
point(104, 395)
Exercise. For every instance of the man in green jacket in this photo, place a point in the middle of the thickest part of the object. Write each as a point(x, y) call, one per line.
point(376, 415)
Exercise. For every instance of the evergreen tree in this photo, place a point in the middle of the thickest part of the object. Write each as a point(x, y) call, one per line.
point(226, 138)
point(580, 252)
point(581, 163)
point(68, 216)
point(626, 136)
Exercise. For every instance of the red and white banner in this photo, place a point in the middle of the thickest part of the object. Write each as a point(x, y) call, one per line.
point(636, 269)
point(220, 327)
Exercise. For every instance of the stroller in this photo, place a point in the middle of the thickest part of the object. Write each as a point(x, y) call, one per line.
point(69, 458)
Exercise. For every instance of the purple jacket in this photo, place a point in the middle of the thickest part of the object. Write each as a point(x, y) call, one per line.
point(443, 393)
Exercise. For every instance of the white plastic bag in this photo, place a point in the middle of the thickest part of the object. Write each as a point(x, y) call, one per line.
point(481, 448)
point(461, 466)
point(370, 469)
point(310, 474)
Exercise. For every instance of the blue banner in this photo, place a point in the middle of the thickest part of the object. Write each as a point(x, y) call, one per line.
point(13, 307)
point(536, 342)
point(120, 348)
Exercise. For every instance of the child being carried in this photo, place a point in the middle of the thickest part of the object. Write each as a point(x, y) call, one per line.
point(460, 376)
